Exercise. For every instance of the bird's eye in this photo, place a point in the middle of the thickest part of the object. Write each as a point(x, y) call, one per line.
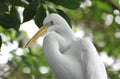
point(51, 23)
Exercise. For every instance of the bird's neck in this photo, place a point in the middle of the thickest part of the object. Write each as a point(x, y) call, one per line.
point(65, 38)
point(66, 33)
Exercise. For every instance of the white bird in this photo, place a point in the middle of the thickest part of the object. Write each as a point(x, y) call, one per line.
point(69, 57)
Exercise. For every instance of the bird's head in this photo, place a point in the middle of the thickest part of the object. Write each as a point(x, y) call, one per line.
point(52, 22)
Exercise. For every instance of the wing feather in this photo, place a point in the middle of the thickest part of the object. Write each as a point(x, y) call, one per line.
point(93, 66)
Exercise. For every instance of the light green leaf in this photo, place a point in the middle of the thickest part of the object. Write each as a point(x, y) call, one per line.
point(50, 10)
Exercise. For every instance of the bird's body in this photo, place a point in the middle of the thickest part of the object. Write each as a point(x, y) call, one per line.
point(77, 61)
point(68, 56)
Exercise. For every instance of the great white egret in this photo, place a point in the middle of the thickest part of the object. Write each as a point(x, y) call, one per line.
point(68, 56)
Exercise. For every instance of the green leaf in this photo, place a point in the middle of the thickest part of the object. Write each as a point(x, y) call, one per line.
point(2, 1)
point(50, 10)
point(30, 11)
point(40, 15)
point(64, 15)
point(97, 15)
point(3, 8)
point(104, 6)
point(80, 0)
point(0, 41)
point(71, 4)
point(75, 14)
point(16, 2)
point(11, 19)
point(57, 2)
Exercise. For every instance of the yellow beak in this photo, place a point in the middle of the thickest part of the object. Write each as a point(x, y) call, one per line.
point(42, 30)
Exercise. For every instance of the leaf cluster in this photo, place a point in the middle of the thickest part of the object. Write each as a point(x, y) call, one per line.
point(33, 9)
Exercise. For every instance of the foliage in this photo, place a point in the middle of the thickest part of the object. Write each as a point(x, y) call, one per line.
point(99, 17)
point(35, 9)
point(0, 41)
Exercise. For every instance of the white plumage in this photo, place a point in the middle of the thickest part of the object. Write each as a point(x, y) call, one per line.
point(68, 56)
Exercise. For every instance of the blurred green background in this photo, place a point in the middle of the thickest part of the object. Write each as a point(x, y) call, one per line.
point(98, 20)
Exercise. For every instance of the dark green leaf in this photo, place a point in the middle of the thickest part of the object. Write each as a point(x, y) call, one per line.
point(30, 11)
point(2, 1)
point(71, 4)
point(40, 15)
point(80, 0)
point(57, 2)
point(11, 19)
point(0, 41)
point(3, 8)
point(29, 0)
point(64, 15)
point(16, 2)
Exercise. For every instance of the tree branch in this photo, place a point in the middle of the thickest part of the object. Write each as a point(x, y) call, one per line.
point(114, 5)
